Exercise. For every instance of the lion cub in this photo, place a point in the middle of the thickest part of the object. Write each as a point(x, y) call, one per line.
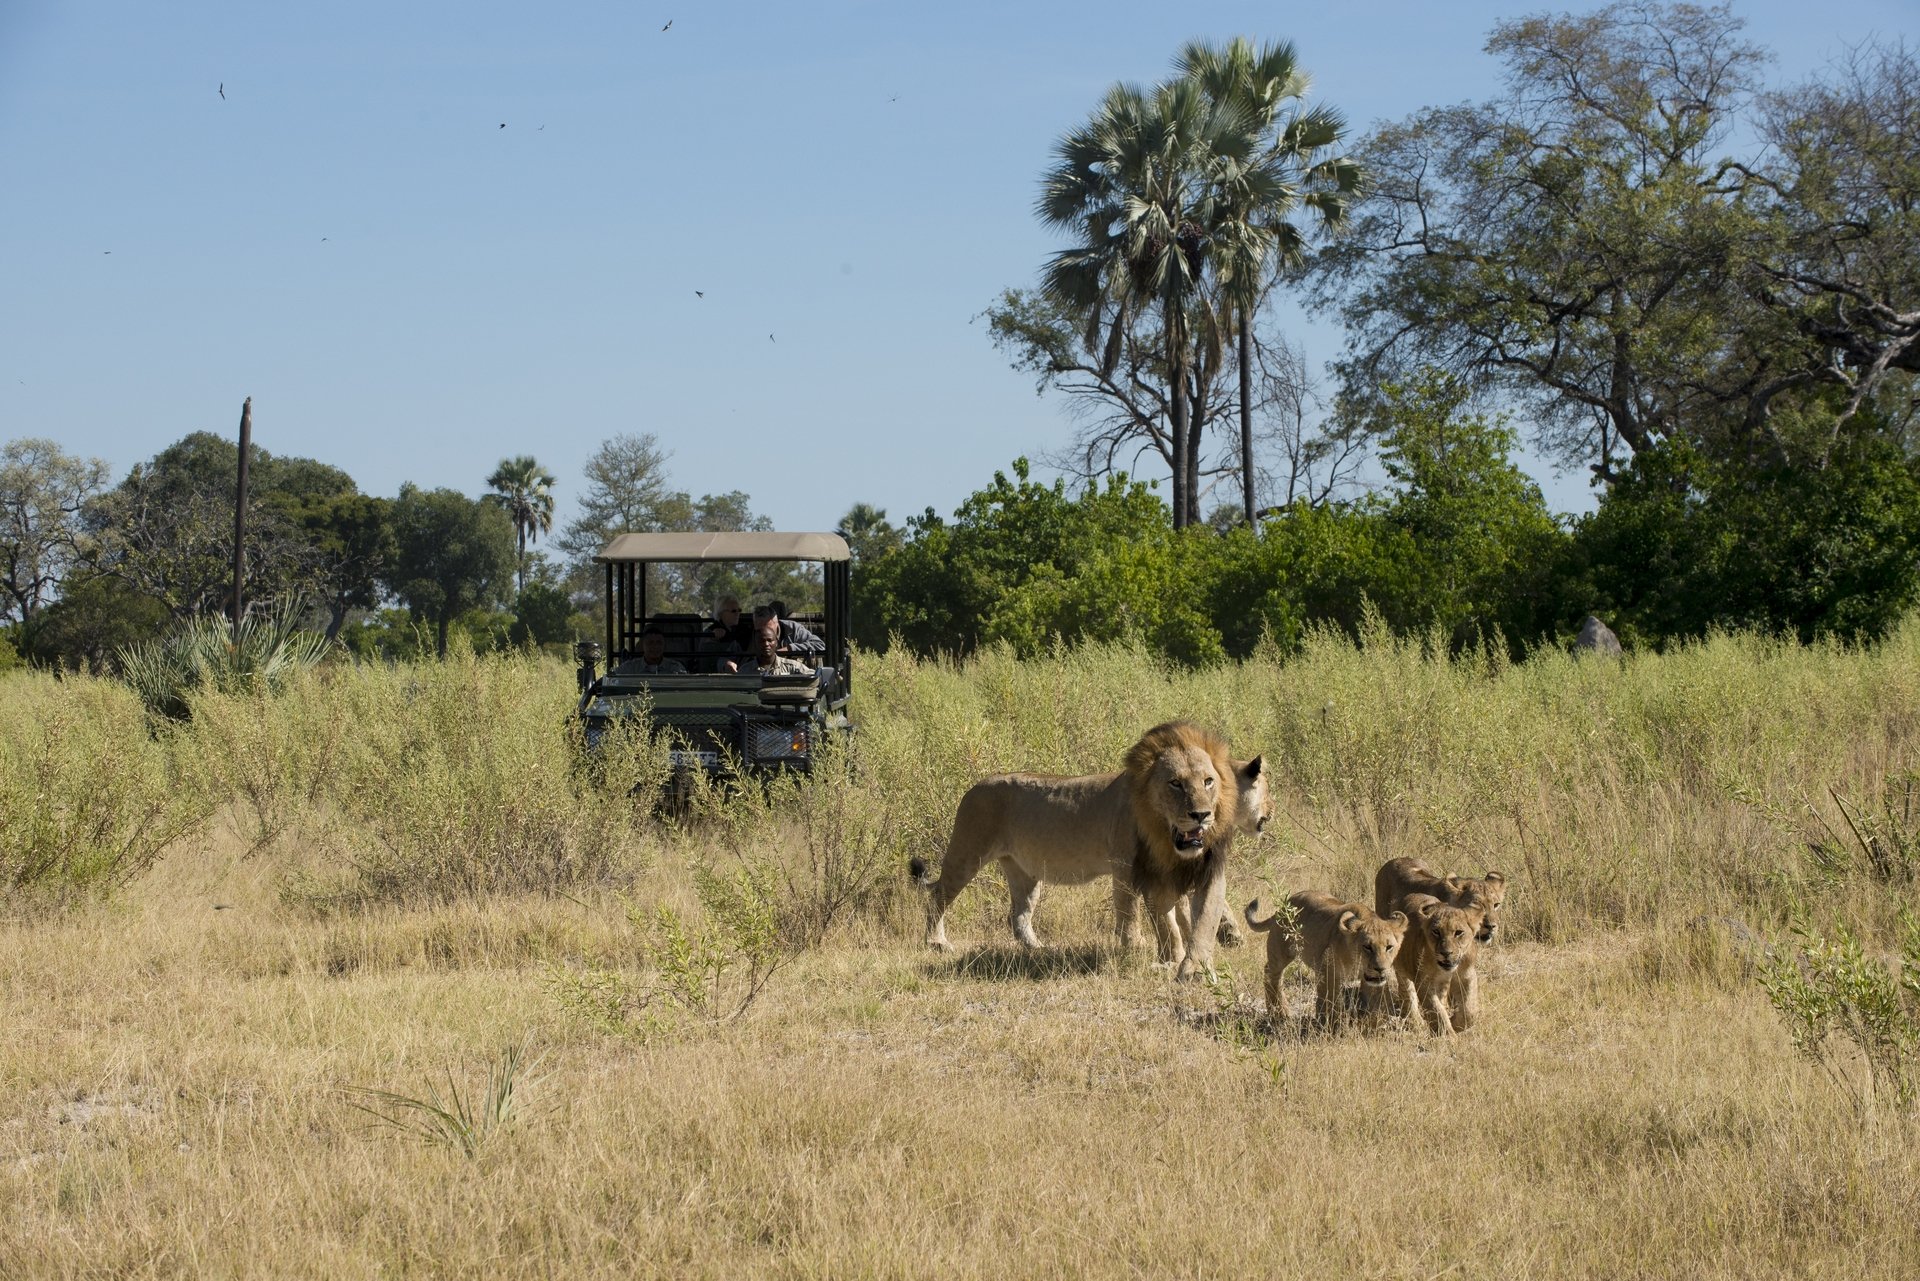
point(1437, 967)
point(1403, 876)
point(1338, 941)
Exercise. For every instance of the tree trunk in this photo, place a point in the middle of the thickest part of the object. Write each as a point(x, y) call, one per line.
point(440, 628)
point(1246, 415)
point(1177, 379)
point(1194, 419)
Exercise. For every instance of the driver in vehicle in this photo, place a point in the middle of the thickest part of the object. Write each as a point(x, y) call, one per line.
point(766, 659)
point(653, 660)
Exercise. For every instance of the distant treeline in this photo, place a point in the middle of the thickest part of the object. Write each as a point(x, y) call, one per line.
point(1460, 544)
point(87, 568)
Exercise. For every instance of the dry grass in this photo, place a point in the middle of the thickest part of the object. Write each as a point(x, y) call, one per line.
point(181, 1058)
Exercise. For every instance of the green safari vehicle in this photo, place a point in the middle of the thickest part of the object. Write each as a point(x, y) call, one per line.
point(721, 721)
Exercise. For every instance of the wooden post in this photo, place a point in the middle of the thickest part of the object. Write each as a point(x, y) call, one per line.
point(240, 521)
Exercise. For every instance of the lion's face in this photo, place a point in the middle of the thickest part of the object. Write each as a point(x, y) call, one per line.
point(1256, 803)
point(1183, 788)
point(1450, 931)
point(1484, 895)
point(1378, 940)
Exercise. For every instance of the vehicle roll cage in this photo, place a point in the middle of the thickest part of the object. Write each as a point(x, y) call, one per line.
point(626, 559)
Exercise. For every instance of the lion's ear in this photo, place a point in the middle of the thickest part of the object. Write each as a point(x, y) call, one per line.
point(1428, 908)
point(1251, 770)
point(1453, 884)
point(1350, 921)
point(1494, 878)
point(1401, 919)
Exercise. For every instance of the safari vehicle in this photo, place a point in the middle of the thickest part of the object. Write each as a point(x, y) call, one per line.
point(720, 721)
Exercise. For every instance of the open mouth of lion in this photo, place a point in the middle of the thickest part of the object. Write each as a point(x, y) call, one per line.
point(1374, 980)
point(1194, 840)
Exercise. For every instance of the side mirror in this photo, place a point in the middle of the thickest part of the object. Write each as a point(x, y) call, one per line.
point(588, 652)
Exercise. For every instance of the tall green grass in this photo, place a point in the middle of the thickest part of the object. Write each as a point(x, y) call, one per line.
point(1659, 787)
point(88, 799)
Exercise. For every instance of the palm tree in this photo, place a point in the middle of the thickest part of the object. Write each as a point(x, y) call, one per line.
point(1255, 237)
point(525, 489)
point(1144, 184)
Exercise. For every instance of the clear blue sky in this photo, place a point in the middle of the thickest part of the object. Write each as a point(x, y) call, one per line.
point(411, 292)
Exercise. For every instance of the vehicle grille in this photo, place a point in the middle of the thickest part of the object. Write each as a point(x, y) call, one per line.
point(702, 730)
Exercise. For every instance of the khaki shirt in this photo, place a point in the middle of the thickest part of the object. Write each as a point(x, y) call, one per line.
point(782, 666)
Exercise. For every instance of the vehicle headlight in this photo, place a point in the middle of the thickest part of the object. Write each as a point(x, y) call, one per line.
point(777, 742)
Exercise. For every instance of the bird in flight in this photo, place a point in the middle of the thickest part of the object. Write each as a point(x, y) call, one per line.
point(769, 337)
point(699, 293)
point(503, 124)
point(669, 24)
point(223, 91)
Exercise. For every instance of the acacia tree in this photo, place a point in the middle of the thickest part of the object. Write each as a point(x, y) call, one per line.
point(626, 490)
point(1254, 234)
point(1577, 244)
point(524, 490)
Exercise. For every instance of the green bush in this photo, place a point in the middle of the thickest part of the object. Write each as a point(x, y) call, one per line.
point(88, 799)
point(210, 654)
point(1832, 992)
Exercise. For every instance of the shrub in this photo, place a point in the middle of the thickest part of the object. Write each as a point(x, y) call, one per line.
point(87, 798)
point(1830, 991)
point(207, 653)
point(703, 969)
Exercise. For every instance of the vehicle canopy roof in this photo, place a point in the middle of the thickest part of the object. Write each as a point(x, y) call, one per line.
point(754, 545)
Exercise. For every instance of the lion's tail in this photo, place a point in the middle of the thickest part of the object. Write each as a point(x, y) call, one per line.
point(1261, 922)
point(921, 872)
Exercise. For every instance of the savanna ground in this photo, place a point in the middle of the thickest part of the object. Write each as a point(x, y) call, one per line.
point(224, 934)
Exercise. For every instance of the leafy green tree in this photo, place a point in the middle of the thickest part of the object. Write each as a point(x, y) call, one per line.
point(1253, 234)
point(95, 616)
point(524, 490)
point(349, 539)
point(543, 615)
point(42, 492)
point(1571, 242)
point(1308, 566)
point(868, 532)
point(1024, 562)
point(167, 529)
point(1481, 529)
point(1683, 544)
point(451, 554)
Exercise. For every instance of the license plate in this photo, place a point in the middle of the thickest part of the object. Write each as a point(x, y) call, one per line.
point(689, 759)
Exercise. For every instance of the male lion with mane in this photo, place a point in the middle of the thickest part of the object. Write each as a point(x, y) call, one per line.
point(1161, 828)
